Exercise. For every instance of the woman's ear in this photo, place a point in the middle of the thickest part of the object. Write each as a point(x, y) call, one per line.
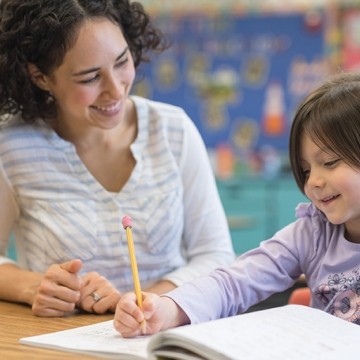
point(37, 77)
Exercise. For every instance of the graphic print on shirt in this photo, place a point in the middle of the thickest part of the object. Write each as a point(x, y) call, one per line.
point(341, 296)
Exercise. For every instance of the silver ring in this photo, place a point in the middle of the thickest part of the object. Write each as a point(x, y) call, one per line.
point(96, 297)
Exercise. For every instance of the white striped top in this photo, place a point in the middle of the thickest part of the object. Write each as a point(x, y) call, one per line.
point(58, 211)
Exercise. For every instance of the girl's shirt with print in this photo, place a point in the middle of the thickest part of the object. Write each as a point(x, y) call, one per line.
point(310, 245)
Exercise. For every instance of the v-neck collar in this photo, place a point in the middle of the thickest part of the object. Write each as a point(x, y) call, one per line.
point(85, 176)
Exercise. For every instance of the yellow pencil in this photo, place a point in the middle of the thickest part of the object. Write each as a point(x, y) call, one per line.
point(127, 224)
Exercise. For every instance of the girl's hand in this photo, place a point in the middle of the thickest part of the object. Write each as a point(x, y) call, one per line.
point(98, 295)
point(157, 313)
point(59, 290)
point(131, 321)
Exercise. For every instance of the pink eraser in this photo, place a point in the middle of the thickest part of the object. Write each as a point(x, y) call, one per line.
point(126, 221)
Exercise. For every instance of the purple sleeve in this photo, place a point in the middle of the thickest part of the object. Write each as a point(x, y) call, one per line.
point(272, 267)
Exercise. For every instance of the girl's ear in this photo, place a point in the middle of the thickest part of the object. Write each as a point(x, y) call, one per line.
point(37, 77)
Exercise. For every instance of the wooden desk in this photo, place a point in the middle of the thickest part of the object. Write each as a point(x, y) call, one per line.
point(17, 321)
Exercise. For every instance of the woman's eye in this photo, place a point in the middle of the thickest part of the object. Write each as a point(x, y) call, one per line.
point(122, 62)
point(88, 81)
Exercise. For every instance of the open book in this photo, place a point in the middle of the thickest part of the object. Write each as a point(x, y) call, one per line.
point(289, 332)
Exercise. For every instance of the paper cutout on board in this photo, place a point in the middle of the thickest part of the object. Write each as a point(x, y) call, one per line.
point(215, 115)
point(256, 69)
point(220, 85)
point(313, 20)
point(167, 74)
point(245, 134)
point(253, 51)
point(274, 110)
point(225, 161)
point(217, 90)
point(198, 65)
point(304, 76)
point(351, 42)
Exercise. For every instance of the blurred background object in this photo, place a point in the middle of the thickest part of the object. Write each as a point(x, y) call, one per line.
point(239, 68)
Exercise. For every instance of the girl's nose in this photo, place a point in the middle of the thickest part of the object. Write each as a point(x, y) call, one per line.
point(315, 179)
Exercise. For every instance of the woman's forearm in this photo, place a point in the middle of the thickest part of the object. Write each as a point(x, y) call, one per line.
point(18, 285)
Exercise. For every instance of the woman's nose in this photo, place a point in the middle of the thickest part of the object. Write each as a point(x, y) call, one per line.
point(113, 87)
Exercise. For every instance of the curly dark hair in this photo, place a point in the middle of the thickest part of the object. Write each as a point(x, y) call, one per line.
point(42, 31)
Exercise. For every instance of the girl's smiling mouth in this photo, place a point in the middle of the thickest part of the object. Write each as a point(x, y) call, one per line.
point(329, 198)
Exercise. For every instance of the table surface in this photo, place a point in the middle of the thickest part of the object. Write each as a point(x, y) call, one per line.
point(17, 321)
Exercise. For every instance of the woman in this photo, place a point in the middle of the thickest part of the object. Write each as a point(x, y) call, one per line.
point(78, 153)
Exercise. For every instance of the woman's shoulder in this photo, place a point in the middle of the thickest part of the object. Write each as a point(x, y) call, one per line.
point(15, 124)
point(157, 110)
point(155, 104)
point(13, 130)
point(9, 121)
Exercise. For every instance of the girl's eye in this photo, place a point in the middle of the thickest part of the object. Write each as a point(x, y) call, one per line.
point(331, 163)
point(305, 173)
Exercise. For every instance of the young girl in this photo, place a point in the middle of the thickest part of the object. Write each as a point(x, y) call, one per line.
point(323, 244)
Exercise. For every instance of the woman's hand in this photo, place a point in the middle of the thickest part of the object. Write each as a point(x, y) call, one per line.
point(59, 290)
point(98, 295)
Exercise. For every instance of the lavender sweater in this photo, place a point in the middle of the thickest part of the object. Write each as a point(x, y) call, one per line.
point(311, 245)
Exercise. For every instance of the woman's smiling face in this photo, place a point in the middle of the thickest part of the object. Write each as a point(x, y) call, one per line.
point(93, 82)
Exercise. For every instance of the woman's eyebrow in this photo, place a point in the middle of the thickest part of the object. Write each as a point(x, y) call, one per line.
point(88, 71)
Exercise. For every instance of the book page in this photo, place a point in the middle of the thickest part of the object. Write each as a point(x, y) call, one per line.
point(289, 332)
point(100, 339)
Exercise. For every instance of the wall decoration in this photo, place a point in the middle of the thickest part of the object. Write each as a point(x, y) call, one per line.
point(239, 77)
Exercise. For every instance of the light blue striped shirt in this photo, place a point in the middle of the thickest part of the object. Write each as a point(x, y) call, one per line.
point(58, 211)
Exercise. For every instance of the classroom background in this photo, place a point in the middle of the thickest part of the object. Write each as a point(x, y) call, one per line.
point(239, 69)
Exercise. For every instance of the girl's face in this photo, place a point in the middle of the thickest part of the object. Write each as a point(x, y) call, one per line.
point(333, 186)
point(93, 82)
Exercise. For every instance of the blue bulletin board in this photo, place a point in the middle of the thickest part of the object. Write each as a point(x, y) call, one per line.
point(238, 77)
